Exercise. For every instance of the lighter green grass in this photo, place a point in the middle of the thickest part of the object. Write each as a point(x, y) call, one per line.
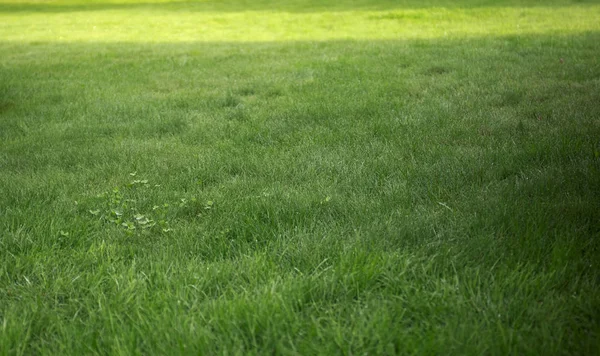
point(258, 21)
point(348, 177)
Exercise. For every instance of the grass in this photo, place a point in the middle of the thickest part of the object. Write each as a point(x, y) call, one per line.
point(307, 177)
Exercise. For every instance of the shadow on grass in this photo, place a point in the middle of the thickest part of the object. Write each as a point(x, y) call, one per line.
point(278, 6)
point(472, 137)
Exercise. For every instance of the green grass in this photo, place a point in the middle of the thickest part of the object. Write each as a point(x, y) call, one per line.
point(307, 177)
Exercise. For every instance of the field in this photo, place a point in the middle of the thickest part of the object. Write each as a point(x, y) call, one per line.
point(301, 177)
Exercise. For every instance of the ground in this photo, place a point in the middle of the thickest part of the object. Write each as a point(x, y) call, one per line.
point(300, 177)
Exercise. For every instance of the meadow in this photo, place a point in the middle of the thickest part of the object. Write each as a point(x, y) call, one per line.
point(299, 177)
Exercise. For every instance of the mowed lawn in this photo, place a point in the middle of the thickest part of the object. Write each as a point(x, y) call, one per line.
point(301, 177)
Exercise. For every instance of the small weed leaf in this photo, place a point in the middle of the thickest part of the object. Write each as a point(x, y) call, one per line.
point(143, 182)
point(326, 200)
point(119, 208)
point(128, 225)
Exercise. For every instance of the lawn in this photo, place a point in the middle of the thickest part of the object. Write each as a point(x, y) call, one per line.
point(301, 177)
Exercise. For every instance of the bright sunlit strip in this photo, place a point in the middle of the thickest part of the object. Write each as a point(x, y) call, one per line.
point(150, 25)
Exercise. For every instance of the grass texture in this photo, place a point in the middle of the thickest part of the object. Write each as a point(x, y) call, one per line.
point(300, 177)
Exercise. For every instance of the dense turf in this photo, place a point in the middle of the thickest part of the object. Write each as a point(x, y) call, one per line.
point(310, 177)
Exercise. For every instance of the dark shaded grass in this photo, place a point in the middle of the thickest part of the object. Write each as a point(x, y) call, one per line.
point(441, 198)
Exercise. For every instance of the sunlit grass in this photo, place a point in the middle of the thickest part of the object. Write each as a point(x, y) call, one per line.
point(220, 21)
